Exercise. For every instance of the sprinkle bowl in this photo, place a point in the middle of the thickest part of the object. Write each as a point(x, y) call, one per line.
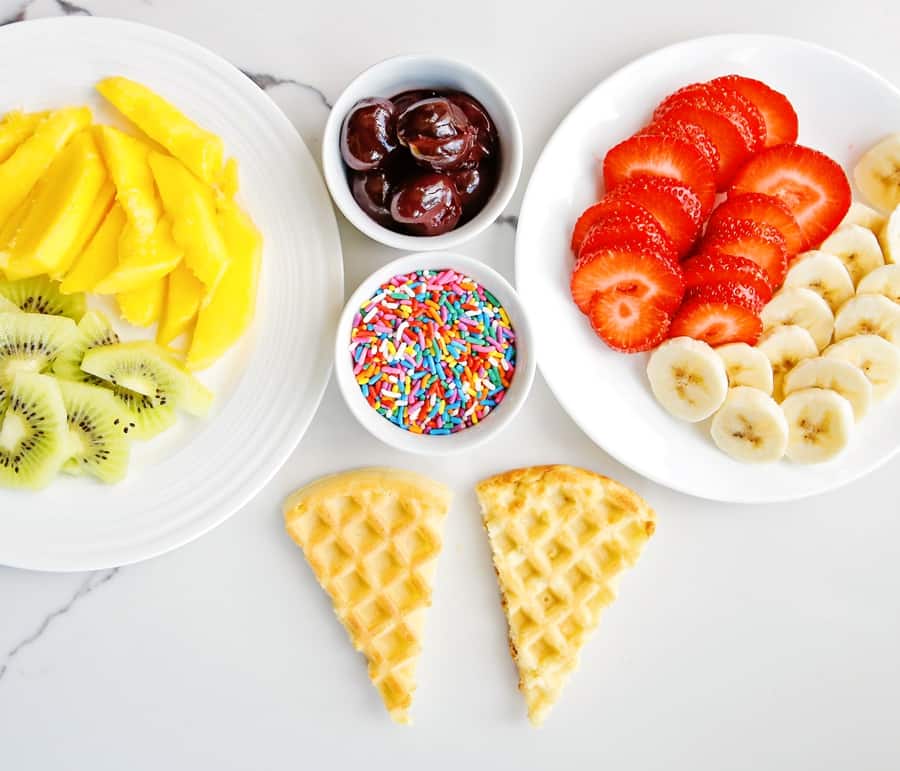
point(508, 402)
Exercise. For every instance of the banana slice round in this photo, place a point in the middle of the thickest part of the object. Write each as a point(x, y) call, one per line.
point(802, 307)
point(877, 174)
point(819, 424)
point(785, 347)
point(884, 281)
point(750, 426)
point(842, 377)
point(824, 274)
point(746, 366)
point(878, 360)
point(687, 378)
point(857, 248)
point(867, 217)
point(868, 314)
point(889, 238)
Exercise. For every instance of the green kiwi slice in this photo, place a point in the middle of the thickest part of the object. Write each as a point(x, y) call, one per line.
point(146, 368)
point(8, 306)
point(41, 295)
point(29, 343)
point(34, 433)
point(94, 330)
point(97, 444)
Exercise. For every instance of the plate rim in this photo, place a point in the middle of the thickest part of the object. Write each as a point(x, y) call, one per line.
point(734, 39)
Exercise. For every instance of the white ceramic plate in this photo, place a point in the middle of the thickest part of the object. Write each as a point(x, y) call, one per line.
point(193, 477)
point(843, 109)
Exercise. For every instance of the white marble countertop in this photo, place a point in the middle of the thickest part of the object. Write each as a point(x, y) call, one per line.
point(749, 637)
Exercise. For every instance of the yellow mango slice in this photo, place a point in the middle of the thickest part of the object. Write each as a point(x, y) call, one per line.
point(143, 306)
point(60, 210)
point(20, 172)
point(126, 158)
point(195, 228)
point(15, 128)
point(99, 257)
point(230, 179)
point(99, 209)
point(229, 310)
point(184, 293)
point(142, 260)
point(198, 149)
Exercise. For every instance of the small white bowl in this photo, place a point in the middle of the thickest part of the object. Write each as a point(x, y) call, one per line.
point(403, 73)
point(498, 418)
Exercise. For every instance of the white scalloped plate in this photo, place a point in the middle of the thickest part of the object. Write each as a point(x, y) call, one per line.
point(843, 109)
point(192, 478)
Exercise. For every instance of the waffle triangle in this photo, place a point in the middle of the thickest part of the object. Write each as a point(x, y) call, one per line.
point(372, 537)
point(560, 536)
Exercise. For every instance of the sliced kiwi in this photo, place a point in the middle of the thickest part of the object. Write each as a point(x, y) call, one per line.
point(97, 444)
point(34, 434)
point(146, 368)
point(8, 306)
point(29, 343)
point(94, 330)
point(142, 419)
point(41, 295)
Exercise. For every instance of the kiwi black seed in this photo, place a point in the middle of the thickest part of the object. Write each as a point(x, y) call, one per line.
point(41, 295)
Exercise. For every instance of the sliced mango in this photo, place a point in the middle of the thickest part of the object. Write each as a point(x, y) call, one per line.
point(230, 178)
point(126, 158)
point(20, 172)
point(99, 209)
point(59, 212)
point(143, 306)
point(191, 205)
point(229, 310)
point(15, 128)
point(142, 260)
point(184, 293)
point(99, 257)
point(200, 150)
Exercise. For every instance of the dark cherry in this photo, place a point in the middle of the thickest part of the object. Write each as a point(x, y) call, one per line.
point(368, 135)
point(474, 187)
point(486, 139)
point(426, 205)
point(407, 98)
point(436, 132)
point(372, 191)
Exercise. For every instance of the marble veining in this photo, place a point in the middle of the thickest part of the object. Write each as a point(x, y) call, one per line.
point(65, 8)
point(266, 81)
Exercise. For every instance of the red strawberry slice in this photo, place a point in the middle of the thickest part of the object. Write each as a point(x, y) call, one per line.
point(728, 103)
point(651, 277)
point(708, 269)
point(777, 111)
point(730, 145)
point(717, 317)
point(808, 182)
point(761, 243)
point(627, 323)
point(674, 205)
point(614, 220)
point(661, 156)
point(692, 133)
point(766, 210)
point(728, 292)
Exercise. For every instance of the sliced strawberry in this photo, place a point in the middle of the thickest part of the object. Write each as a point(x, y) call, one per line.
point(687, 132)
point(661, 156)
point(717, 317)
point(730, 145)
point(616, 221)
point(674, 205)
point(728, 103)
point(707, 269)
point(765, 209)
point(631, 270)
point(761, 243)
point(808, 182)
point(732, 292)
point(628, 323)
point(596, 212)
point(777, 112)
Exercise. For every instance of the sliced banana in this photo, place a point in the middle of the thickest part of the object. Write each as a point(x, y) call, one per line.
point(868, 314)
point(884, 281)
point(819, 424)
point(857, 248)
point(824, 274)
point(785, 347)
point(842, 377)
point(878, 360)
point(877, 174)
point(750, 426)
point(867, 217)
point(687, 378)
point(746, 366)
point(802, 307)
point(889, 238)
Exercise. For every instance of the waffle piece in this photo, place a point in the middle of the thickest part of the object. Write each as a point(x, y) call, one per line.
point(560, 538)
point(372, 537)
